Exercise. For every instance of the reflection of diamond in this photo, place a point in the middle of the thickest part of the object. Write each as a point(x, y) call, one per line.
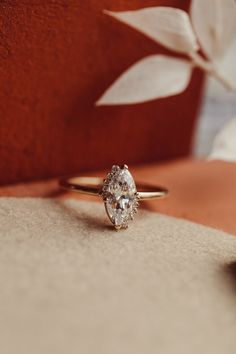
point(120, 196)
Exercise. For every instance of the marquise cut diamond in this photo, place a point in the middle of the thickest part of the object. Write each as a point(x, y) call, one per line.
point(120, 196)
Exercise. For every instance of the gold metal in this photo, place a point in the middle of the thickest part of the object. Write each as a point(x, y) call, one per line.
point(120, 193)
point(93, 186)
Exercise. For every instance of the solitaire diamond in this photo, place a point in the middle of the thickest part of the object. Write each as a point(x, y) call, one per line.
point(120, 196)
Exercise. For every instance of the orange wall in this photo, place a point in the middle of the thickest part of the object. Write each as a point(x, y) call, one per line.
point(56, 59)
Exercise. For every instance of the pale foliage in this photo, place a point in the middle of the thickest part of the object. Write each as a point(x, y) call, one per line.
point(165, 25)
point(174, 76)
point(214, 23)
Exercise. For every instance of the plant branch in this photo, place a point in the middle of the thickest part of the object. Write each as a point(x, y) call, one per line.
point(208, 67)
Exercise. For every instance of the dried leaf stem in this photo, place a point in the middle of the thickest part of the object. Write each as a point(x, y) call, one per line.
point(209, 67)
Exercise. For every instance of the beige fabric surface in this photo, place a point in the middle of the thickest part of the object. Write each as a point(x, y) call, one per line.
point(70, 284)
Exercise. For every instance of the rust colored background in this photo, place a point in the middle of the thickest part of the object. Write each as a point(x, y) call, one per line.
point(56, 59)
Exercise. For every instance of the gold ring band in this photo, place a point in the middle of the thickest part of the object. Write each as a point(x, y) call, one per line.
point(120, 193)
point(94, 185)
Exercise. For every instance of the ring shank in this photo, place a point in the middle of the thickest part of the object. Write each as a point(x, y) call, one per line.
point(93, 186)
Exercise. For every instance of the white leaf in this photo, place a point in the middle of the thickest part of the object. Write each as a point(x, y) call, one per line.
point(226, 66)
point(224, 145)
point(215, 24)
point(166, 25)
point(155, 76)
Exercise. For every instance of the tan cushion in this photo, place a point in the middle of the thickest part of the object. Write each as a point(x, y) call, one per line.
point(70, 284)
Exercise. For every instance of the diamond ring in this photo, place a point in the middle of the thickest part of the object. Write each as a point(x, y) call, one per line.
point(120, 193)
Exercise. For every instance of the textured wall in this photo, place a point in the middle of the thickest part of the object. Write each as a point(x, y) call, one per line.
point(56, 58)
